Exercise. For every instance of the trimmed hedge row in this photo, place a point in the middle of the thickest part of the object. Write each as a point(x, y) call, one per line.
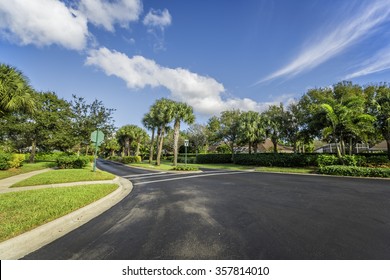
point(214, 158)
point(72, 162)
point(279, 160)
point(354, 171)
point(8, 161)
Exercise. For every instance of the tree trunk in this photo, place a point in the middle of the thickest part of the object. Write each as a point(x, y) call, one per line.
point(112, 153)
point(127, 147)
point(176, 131)
point(160, 144)
point(388, 147)
point(338, 150)
point(137, 150)
point(151, 148)
point(232, 148)
point(33, 151)
point(255, 148)
point(250, 148)
point(275, 143)
point(86, 150)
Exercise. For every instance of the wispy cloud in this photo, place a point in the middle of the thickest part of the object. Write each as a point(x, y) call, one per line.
point(157, 18)
point(379, 62)
point(342, 36)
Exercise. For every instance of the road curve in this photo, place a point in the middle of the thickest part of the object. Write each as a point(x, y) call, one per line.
point(235, 215)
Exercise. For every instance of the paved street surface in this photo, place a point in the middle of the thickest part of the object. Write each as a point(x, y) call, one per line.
point(235, 215)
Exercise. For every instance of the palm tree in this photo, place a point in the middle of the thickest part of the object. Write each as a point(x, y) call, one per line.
point(150, 123)
point(162, 111)
point(15, 92)
point(182, 113)
point(126, 135)
point(250, 129)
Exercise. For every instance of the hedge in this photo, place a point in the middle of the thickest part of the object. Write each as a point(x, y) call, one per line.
point(4, 161)
point(214, 158)
point(356, 171)
point(126, 159)
point(72, 162)
point(280, 160)
point(185, 168)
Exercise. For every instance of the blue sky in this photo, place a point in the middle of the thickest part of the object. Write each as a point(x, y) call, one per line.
point(214, 55)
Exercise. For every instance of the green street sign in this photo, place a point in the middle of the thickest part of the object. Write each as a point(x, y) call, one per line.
point(97, 137)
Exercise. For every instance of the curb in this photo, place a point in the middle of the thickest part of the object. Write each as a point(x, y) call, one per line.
point(21, 245)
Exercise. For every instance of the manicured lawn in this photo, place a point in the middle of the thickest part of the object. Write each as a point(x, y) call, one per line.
point(27, 167)
point(65, 176)
point(167, 165)
point(23, 211)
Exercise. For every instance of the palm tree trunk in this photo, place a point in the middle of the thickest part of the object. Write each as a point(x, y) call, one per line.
point(388, 147)
point(33, 150)
point(250, 147)
point(160, 144)
point(138, 147)
point(275, 143)
point(127, 147)
point(151, 147)
point(175, 141)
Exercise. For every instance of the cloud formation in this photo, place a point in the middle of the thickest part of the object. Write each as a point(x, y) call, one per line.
point(43, 22)
point(337, 40)
point(158, 18)
point(377, 63)
point(201, 92)
point(108, 13)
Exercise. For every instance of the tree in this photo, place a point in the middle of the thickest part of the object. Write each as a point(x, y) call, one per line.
point(274, 117)
point(88, 118)
point(251, 130)
point(15, 92)
point(379, 106)
point(162, 111)
point(126, 135)
point(197, 135)
point(150, 123)
point(228, 128)
point(112, 145)
point(181, 113)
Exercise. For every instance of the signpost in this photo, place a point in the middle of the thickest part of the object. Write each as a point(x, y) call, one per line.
point(186, 144)
point(97, 137)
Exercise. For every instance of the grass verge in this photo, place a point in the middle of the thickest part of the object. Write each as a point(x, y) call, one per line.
point(64, 176)
point(23, 211)
point(27, 167)
point(302, 170)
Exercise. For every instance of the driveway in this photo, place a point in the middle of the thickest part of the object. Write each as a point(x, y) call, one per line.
point(235, 215)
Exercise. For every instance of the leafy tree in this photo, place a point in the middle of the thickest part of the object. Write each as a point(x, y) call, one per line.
point(197, 135)
point(126, 135)
point(251, 129)
point(181, 113)
point(274, 119)
point(15, 92)
point(112, 145)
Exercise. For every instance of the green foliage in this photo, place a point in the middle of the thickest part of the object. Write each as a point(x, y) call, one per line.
point(131, 159)
point(223, 149)
point(377, 161)
point(326, 160)
point(4, 161)
point(16, 160)
point(280, 160)
point(189, 159)
point(214, 158)
point(342, 170)
point(185, 168)
point(72, 162)
point(50, 156)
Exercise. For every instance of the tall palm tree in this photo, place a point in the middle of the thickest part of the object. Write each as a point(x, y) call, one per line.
point(250, 129)
point(150, 123)
point(182, 113)
point(126, 135)
point(15, 92)
point(162, 111)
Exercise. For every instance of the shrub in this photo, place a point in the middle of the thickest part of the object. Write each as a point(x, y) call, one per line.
point(214, 158)
point(343, 170)
point(185, 168)
point(16, 160)
point(377, 161)
point(280, 160)
point(51, 156)
point(72, 162)
point(4, 161)
point(183, 160)
point(326, 160)
point(131, 159)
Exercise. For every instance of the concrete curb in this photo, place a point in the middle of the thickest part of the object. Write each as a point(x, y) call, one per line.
point(21, 245)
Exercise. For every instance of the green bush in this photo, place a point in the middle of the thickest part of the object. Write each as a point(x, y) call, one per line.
point(326, 160)
point(50, 156)
point(131, 159)
point(185, 168)
point(279, 160)
point(214, 158)
point(183, 160)
point(16, 160)
point(72, 162)
point(356, 171)
point(377, 161)
point(5, 158)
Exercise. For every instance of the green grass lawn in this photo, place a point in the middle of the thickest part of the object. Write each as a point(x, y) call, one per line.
point(27, 167)
point(65, 176)
point(23, 211)
point(167, 166)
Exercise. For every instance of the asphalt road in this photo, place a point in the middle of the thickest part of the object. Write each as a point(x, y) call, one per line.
point(235, 215)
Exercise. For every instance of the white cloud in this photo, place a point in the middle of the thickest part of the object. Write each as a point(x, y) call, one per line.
point(43, 22)
point(201, 92)
point(158, 18)
point(379, 62)
point(337, 40)
point(107, 13)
